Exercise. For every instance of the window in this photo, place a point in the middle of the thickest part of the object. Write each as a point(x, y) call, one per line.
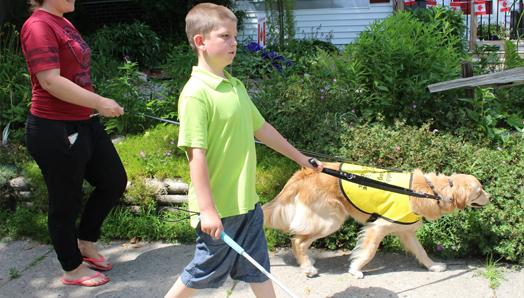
point(316, 4)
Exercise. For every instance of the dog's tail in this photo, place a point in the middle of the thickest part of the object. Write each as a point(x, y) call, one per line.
point(279, 213)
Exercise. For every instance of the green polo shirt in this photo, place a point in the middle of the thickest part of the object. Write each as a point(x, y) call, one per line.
point(216, 114)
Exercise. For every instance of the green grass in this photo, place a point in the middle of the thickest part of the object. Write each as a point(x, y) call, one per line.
point(493, 273)
point(154, 154)
point(24, 222)
point(36, 261)
point(14, 273)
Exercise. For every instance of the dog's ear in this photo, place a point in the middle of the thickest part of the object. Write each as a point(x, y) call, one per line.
point(464, 189)
point(460, 191)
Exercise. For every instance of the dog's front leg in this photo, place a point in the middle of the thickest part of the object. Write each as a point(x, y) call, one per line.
point(411, 244)
point(367, 244)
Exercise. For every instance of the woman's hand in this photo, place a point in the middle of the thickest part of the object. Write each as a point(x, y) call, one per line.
point(109, 108)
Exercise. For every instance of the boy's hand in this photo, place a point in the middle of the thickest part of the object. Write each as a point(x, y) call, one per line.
point(211, 224)
point(314, 164)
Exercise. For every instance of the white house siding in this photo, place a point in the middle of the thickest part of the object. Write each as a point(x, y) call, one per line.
point(343, 25)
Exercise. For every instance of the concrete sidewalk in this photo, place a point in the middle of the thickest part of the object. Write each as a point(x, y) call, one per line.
point(149, 269)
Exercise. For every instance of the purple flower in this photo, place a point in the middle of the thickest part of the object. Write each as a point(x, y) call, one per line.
point(322, 97)
point(253, 47)
point(439, 248)
point(414, 106)
point(322, 90)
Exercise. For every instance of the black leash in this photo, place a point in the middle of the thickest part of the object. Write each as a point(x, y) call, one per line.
point(361, 180)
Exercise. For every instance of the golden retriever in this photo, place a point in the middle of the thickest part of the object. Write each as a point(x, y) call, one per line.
point(311, 206)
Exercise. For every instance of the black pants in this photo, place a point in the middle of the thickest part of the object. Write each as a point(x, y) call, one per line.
point(65, 163)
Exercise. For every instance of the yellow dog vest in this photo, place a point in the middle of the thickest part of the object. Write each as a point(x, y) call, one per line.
point(391, 206)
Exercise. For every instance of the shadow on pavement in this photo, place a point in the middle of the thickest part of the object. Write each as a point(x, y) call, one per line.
point(365, 292)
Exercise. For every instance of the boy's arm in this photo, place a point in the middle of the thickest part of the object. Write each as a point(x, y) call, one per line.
point(268, 135)
point(210, 222)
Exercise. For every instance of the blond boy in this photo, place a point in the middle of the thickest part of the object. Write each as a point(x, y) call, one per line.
point(218, 123)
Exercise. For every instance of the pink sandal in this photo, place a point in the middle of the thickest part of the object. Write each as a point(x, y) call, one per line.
point(91, 262)
point(82, 281)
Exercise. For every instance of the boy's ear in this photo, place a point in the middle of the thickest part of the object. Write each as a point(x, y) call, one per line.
point(199, 42)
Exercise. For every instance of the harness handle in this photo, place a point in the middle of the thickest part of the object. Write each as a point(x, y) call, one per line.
point(361, 180)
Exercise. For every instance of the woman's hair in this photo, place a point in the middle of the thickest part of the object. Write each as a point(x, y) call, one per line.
point(35, 4)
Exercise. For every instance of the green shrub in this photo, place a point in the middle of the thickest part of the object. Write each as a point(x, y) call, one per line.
point(307, 107)
point(15, 90)
point(492, 32)
point(400, 57)
point(178, 66)
point(446, 21)
point(125, 89)
point(133, 42)
point(492, 117)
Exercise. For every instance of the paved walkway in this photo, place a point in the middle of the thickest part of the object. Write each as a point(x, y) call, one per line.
point(149, 269)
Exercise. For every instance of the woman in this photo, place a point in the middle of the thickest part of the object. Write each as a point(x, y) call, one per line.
point(68, 142)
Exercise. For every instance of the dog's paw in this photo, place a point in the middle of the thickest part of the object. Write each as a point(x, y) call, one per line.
point(437, 267)
point(356, 273)
point(310, 271)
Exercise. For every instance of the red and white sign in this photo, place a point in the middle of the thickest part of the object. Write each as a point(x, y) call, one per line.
point(261, 35)
point(456, 5)
point(480, 8)
point(503, 5)
point(410, 2)
point(431, 3)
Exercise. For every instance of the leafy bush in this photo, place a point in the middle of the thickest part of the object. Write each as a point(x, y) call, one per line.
point(134, 42)
point(446, 21)
point(486, 59)
point(124, 88)
point(178, 66)
point(492, 32)
point(493, 118)
point(400, 57)
point(15, 90)
point(306, 109)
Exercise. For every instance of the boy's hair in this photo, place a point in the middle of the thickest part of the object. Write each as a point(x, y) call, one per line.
point(204, 17)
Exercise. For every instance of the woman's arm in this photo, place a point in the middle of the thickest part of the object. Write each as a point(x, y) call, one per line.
point(65, 90)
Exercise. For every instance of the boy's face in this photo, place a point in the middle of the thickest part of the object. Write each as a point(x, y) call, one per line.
point(220, 45)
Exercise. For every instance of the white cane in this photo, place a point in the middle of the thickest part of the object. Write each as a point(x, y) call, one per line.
point(229, 241)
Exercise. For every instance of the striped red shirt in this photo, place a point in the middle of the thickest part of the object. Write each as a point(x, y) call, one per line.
point(50, 42)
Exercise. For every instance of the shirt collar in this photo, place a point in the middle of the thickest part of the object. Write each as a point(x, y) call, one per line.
point(211, 79)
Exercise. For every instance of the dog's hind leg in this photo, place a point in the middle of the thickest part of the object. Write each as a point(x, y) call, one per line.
point(412, 245)
point(300, 245)
point(367, 244)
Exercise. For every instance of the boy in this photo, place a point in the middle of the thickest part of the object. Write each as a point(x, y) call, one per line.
point(218, 123)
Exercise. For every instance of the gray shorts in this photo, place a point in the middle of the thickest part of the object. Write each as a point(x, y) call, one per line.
point(214, 260)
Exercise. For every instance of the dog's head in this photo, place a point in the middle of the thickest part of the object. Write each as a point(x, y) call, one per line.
point(466, 191)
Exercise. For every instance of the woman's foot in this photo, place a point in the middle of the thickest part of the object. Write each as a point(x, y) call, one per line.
point(92, 257)
point(83, 276)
